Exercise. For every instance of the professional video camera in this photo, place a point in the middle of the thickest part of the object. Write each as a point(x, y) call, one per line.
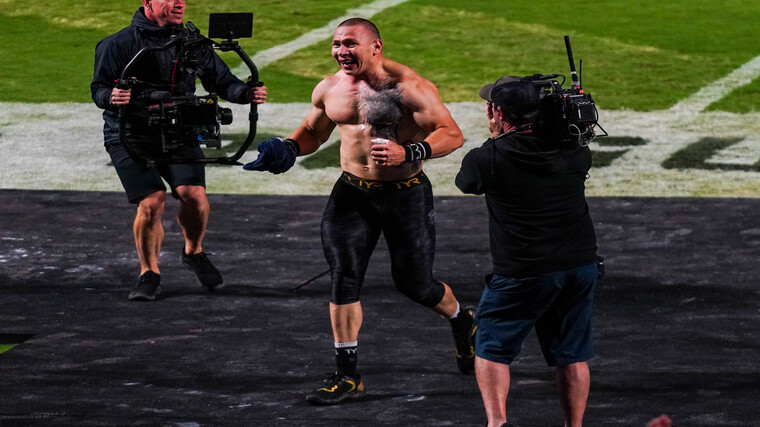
point(159, 127)
point(570, 114)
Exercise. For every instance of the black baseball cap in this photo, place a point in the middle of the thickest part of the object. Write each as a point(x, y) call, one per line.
point(519, 101)
point(485, 91)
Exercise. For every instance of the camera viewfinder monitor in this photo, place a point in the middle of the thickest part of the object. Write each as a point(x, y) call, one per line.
point(230, 25)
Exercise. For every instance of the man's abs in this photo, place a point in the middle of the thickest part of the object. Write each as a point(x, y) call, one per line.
point(355, 148)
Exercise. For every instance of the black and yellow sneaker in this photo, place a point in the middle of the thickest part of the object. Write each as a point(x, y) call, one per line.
point(336, 388)
point(464, 340)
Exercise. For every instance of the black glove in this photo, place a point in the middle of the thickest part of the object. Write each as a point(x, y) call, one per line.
point(275, 155)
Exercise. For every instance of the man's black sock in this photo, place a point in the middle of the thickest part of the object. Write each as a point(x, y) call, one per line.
point(345, 358)
point(462, 322)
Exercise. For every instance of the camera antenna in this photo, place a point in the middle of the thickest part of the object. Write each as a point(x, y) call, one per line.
point(574, 82)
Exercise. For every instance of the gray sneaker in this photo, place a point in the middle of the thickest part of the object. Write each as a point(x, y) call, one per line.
point(207, 275)
point(148, 286)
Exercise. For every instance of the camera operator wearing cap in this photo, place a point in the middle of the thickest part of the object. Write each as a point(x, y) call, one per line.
point(154, 25)
point(543, 247)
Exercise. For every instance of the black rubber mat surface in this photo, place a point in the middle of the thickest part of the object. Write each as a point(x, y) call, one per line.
point(677, 326)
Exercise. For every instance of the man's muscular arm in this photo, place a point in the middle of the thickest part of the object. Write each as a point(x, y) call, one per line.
point(430, 114)
point(277, 155)
point(314, 130)
point(316, 127)
point(422, 99)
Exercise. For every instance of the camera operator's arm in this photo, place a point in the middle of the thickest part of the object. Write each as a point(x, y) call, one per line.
point(218, 78)
point(108, 65)
point(469, 179)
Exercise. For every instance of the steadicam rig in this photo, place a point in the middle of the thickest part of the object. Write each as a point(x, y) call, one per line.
point(570, 114)
point(160, 127)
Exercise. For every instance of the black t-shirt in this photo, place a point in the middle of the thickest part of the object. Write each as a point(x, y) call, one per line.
point(539, 220)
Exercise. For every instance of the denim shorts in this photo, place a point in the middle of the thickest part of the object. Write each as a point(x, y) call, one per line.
point(558, 304)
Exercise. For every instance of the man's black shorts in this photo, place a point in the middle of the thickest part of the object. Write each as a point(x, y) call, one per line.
point(140, 180)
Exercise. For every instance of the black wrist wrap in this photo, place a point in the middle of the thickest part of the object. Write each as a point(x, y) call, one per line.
point(417, 151)
point(294, 144)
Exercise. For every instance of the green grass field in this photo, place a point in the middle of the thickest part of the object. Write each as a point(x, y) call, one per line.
point(643, 55)
point(6, 347)
point(677, 84)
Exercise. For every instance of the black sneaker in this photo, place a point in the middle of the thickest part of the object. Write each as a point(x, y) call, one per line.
point(148, 286)
point(336, 388)
point(208, 276)
point(465, 344)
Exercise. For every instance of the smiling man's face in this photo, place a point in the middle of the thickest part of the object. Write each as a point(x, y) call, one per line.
point(354, 47)
point(165, 12)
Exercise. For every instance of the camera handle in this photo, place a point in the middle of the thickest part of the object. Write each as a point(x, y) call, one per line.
point(253, 115)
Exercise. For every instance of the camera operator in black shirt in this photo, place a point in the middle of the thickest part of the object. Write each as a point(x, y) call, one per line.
point(543, 247)
point(153, 25)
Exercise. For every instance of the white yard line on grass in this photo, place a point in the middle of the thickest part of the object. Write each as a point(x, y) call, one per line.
point(60, 147)
point(685, 123)
point(720, 88)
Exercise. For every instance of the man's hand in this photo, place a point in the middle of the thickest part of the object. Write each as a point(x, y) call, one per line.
point(661, 421)
point(275, 155)
point(493, 126)
point(257, 95)
point(388, 154)
point(120, 96)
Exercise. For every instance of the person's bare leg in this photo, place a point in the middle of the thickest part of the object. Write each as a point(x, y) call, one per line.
point(346, 321)
point(462, 327)
point(149, 230)
point(573, 383)
point(493, 381)
point(193, 216)
point(448, 305)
